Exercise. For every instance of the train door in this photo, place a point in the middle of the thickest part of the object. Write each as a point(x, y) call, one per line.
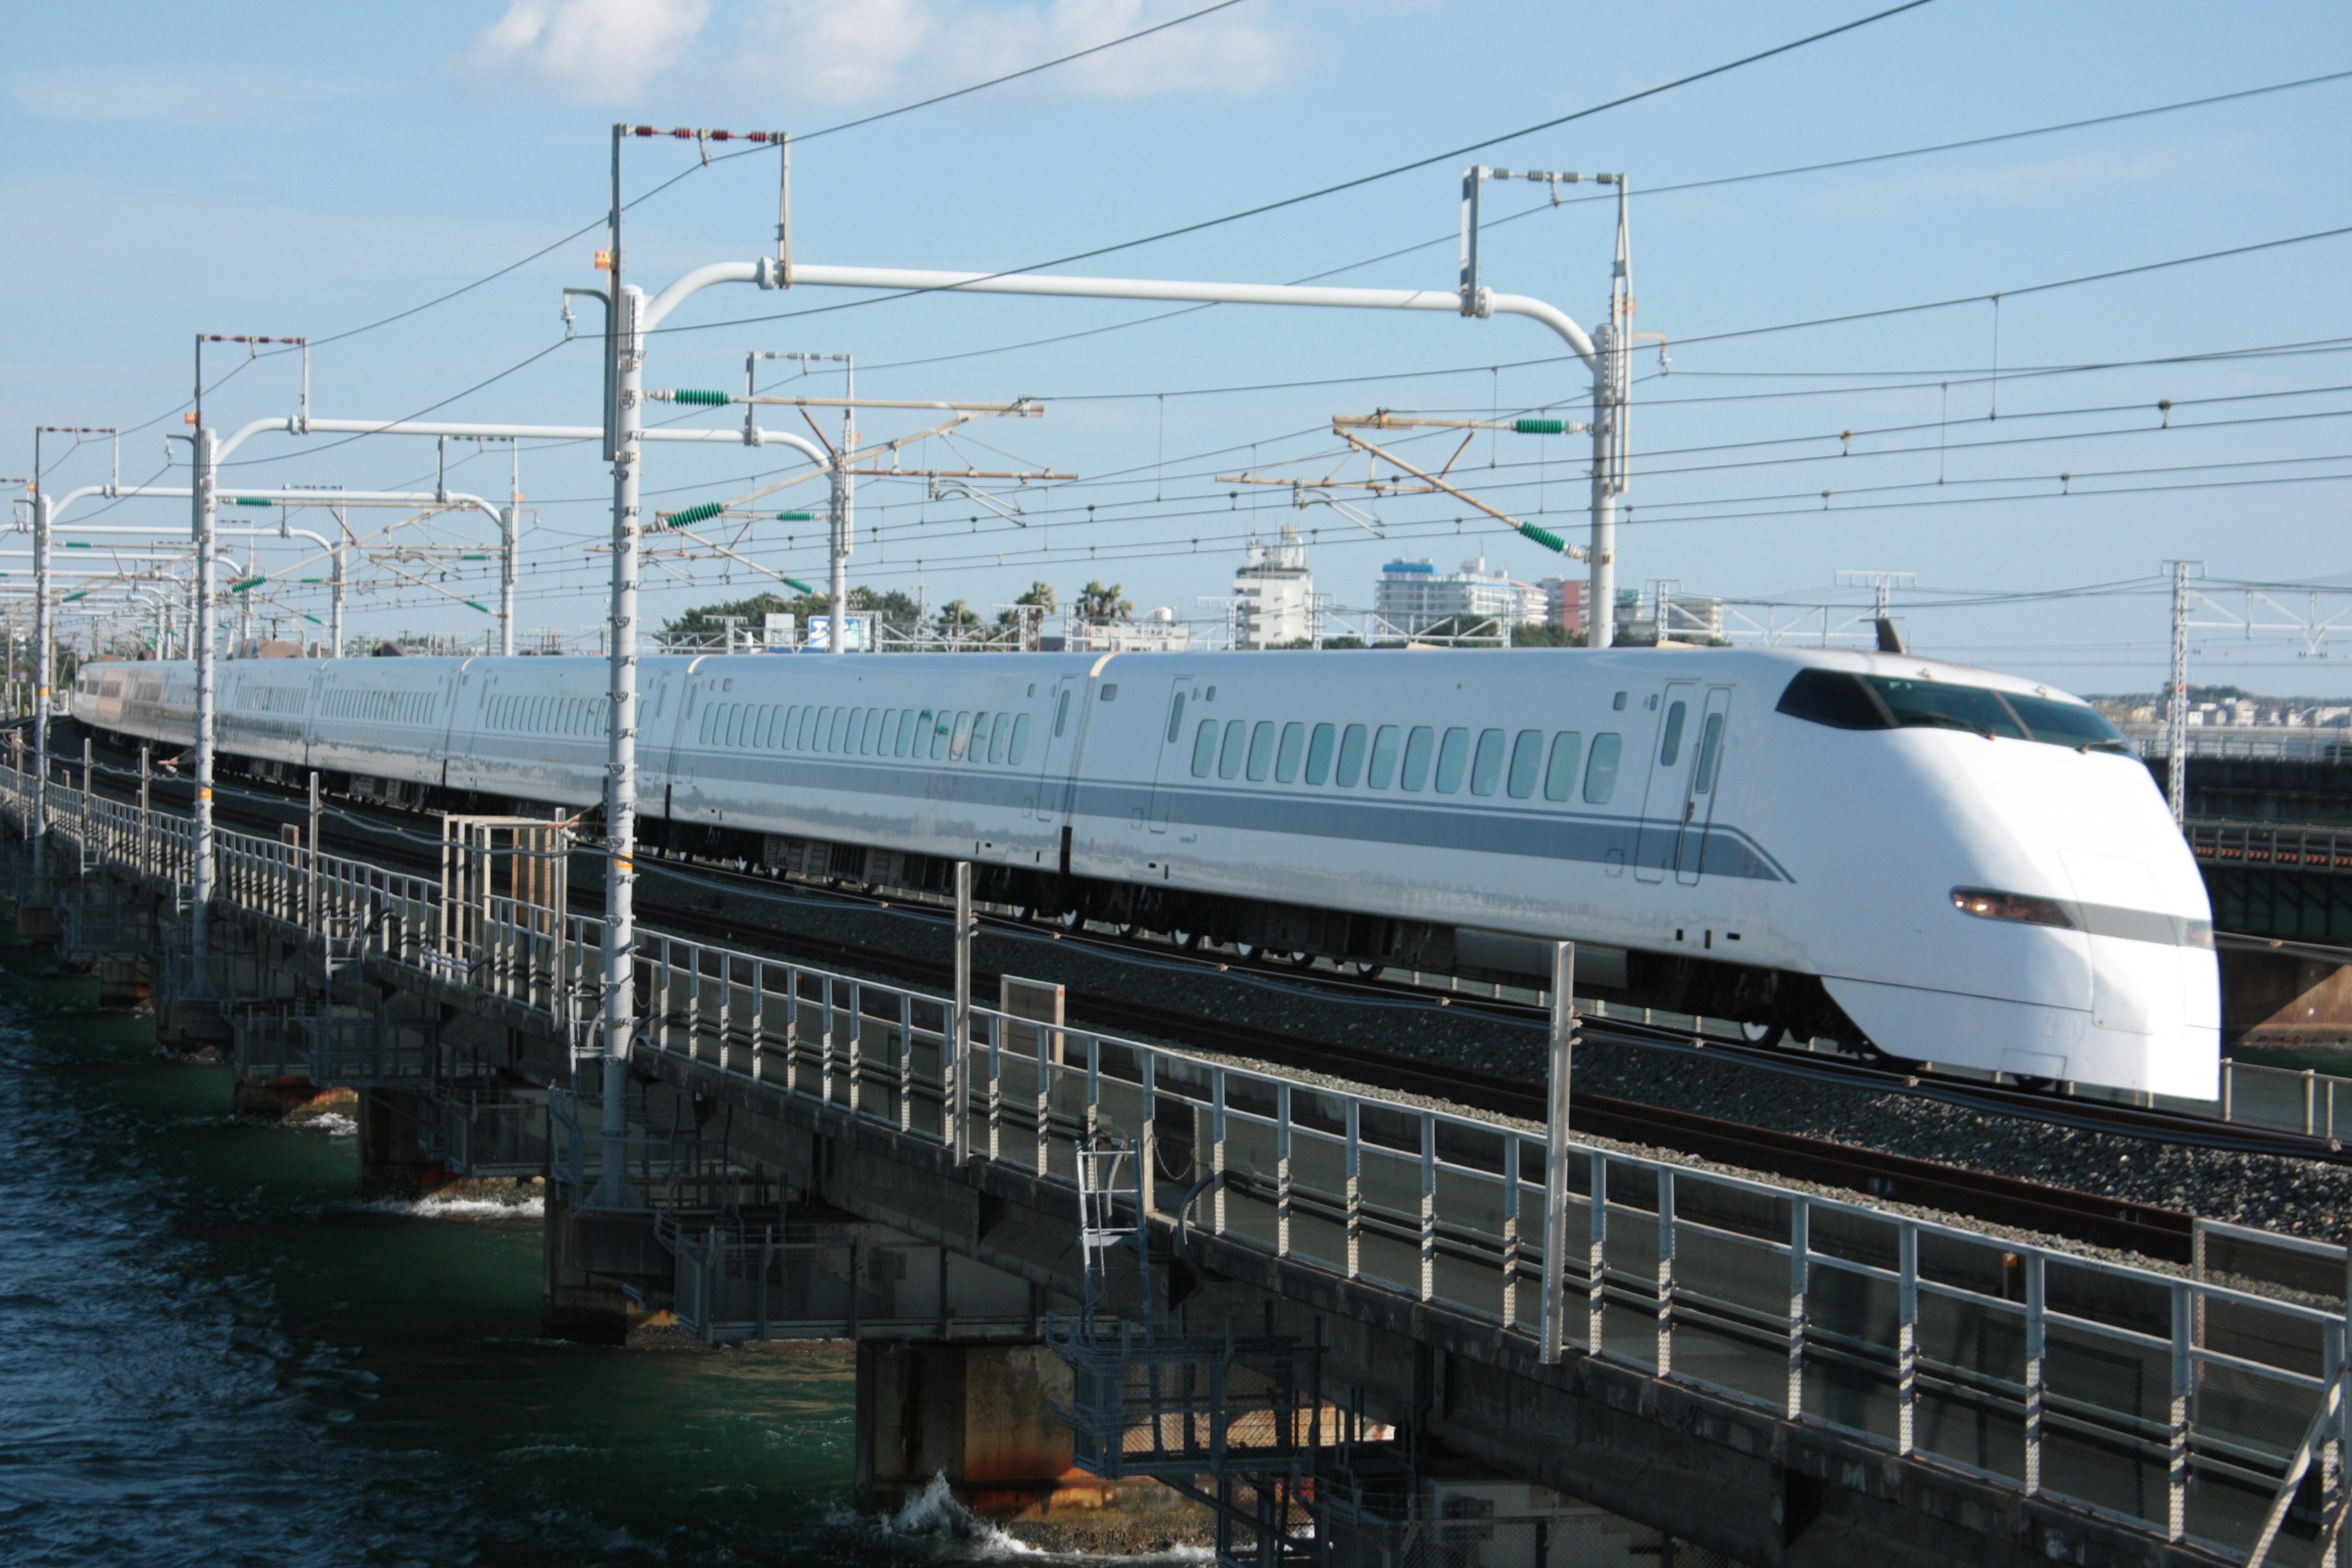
point(1170, 768)
point(1663, 796)
point(1698, 798)
point(1062, 716)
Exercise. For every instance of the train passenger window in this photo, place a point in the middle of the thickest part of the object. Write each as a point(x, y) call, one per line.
point(1110, 691)
point(980, 724)
point(1618, 704)
point(1229, 761)
point(1352, 756)
point(1287, 756)
point(1205, 748)
point(1020, 740)
point(877, 730)
point(841, 717)
point(943, 725)
point(1382, 768)
point(1560, 780)
point(1175, 718)
point(765, 729)
point(735, 716)
point(1527, 763)
point(960, 738)
point(1318, 753)
point(801, 728)
point(911, 724)
point(1061, 713)
point(1486, 764)
point(710, 717)
point(1600, 774)
point(1672, 746)
point(1711, 747)
point(1419, 746)
point(1451, 753)
point(1261, 751)
point(1000, 738)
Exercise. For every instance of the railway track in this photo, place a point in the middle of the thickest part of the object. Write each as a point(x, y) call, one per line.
point(2094, 1219)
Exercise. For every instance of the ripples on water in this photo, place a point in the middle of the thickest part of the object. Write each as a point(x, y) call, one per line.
point(210, 1355)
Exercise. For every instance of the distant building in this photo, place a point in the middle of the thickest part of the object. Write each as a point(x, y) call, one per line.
point(1415, 594)
point(1274, 594)
point(1161, 633)
point(1563, 604)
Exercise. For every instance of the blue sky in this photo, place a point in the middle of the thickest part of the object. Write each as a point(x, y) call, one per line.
point(283, 169)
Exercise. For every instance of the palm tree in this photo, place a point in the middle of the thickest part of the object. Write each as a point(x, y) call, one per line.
point(1100, 602)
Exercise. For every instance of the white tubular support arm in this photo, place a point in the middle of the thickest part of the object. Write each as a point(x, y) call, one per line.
point(913, 280)
point(761, 437)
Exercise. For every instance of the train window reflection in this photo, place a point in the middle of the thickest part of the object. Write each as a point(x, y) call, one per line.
point(1175, 718)
point(1452, 752)
point(1205, 748)
point(1711, 747)
point(1319, 754)
point(1287, 756)
point(1229, 761)
point(1001, 739)
point(1382, 769)
point(1559, 782)
point(1261, 751)
point(1020, 739)
point(1527, 763)
point(1600, 774)
point(1418, 748)
point(1352, 756)
point(1672, 746)
point(1487, 764)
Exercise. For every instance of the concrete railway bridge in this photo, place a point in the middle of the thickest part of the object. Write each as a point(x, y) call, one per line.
point(1074, 1260)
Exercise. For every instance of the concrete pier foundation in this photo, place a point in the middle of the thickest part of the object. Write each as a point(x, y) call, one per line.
point(393, 1163)
point(591, 1263)
point(2285, 1000)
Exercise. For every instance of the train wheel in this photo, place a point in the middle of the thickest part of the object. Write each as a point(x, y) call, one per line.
point(1247, 951)
point(1125, 928)
point(1071, 919)
point(1365, 968)
point(1765, 1035)
point(1185, 941)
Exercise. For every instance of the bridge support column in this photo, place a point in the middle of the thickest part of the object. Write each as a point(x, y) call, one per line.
point(2282, 1001)
point(976, 1414)
point(590, 1260)
point(393, 1163)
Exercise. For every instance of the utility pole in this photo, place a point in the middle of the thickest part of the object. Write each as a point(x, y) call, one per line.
point(205, 516)
point(625, 363)
point(2175, 712)
point(38, 828)
point(510, 534)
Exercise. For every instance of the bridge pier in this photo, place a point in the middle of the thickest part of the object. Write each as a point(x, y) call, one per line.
point(591, 1263)
point(2284, 1001)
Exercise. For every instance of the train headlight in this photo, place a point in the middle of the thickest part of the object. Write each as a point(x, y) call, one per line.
point(2026, 907)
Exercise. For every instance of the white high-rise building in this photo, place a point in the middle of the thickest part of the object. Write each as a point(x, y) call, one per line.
point(1415, 594)
point(1273, 593)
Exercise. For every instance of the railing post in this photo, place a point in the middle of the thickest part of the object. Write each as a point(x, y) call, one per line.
point(1907, 1348)
point(2037, 1347)
point(1596, 1281)
point(1355, 1212)
point(1665, 1270)
point(1282, 1170)
point(1800, 1243)
point(959, 1032)
point(1428, 1206)
point(2184, 1379)
point(1556, 1128)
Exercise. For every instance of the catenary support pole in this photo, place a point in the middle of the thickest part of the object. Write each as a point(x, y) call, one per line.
point(202, 501)
point(1555, 1235)
point(621, 791)
point(146, 807)
point(2176, 709)
point(44, 668)
point(311, 913)
point(960, 1031)
point(509, 535)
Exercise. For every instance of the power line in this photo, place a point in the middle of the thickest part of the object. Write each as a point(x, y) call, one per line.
point(1350, 184)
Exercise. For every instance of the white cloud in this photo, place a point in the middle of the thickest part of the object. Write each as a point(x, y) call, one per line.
point(590, 51)
point(789, 53)
point(200, 96)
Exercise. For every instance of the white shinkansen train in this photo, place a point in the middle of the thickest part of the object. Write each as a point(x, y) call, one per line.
point(1941, 863)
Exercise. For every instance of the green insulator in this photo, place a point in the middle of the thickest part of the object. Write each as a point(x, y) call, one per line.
point(796, 516)
point(1540, 427)
point(685, 516)
point(1544, 537)
point(701, 398)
